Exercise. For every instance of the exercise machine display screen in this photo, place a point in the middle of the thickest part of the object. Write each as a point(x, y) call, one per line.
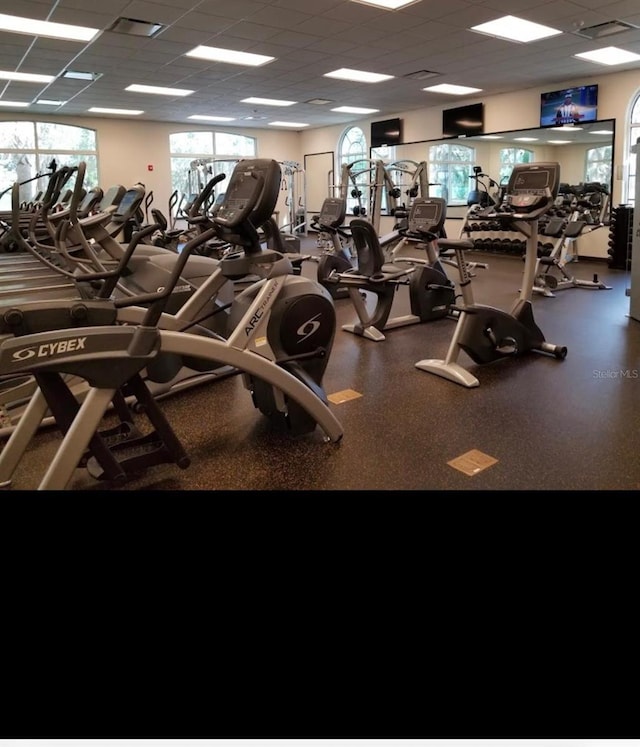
point(532, 185)
point(129, 203)
point(333, 212)
point(425, 216)
point(243, 191)
point(534, 178)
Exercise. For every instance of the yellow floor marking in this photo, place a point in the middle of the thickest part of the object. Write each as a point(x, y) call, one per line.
point(344, 396)
point(472, 462)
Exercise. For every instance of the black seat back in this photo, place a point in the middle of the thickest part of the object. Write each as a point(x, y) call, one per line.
point(367, 245)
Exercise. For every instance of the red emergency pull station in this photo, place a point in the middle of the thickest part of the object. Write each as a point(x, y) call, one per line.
point(150, 167)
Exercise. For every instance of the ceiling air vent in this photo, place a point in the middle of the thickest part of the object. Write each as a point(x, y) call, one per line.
point(134, 27)
point(601, 30)
point(421, 75)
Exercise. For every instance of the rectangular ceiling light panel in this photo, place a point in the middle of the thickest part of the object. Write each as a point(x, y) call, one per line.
point(135, 88)
point(609, 56)
point(210, 118)
point(354, 110)
point(360, 76)
point(30, 26)
point(26, 77)
point(289, 124)
point(106, 110)
point(450, 88)
point(267, 102)
point(387, 4)
point(231, 56)
point(515, 29)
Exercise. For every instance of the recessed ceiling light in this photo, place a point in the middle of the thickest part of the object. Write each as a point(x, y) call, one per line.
point(105, 110)
point(609, 56)
point(13, 103)
point(360, 76)
point(601, 132)
point(231, 56)
point(515, 29)
point(267, 102)
point(289, 124)
point(388, 4)
point(449, 88)
point(354, 110)
point(207, 118)
point(30, 26)
point(50, 102)
point(526, 139)
point(491, 137)
point(135, 88)
point(558, 142)
point(26, 77)
point(566, 128)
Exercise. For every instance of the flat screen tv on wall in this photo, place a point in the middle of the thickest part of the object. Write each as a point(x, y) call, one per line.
point(463, 121)
point(386, 132)
point(569, 106)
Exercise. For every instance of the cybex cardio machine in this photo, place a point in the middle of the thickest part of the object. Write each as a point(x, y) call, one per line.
point(280, 338)
point(486, 333)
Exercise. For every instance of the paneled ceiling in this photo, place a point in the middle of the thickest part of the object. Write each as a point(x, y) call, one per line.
point(308, 38)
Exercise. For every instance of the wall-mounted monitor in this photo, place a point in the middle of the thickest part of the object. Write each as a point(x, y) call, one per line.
point(569, 106)
point(386, 132)
point(463, 121)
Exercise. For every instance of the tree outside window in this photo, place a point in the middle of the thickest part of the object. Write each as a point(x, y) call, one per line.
point(598, 165)
point(450, 166)
point(509, 157)
point(197, 156)
point(28, 150)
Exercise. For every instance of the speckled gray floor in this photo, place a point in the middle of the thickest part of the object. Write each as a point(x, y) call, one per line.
point(549, 424)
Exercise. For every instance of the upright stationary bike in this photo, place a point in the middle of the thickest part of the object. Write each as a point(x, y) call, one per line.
point(486, 333)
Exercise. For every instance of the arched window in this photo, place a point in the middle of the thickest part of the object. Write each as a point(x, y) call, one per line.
point(28, 150)
point(634, 135)
point(450, 166)
point(352, 148)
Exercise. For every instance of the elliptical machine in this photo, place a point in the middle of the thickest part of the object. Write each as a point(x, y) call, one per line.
point(486, 333)
point(283, 330)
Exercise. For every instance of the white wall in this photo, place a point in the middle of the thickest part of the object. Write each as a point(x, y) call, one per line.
point(503, 112)
point(127, 148)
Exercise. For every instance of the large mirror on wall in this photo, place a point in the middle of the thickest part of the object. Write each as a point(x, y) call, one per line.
point(584, 152)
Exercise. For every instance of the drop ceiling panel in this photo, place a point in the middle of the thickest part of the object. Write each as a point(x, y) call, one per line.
point(307, 39)
point(283, 18)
